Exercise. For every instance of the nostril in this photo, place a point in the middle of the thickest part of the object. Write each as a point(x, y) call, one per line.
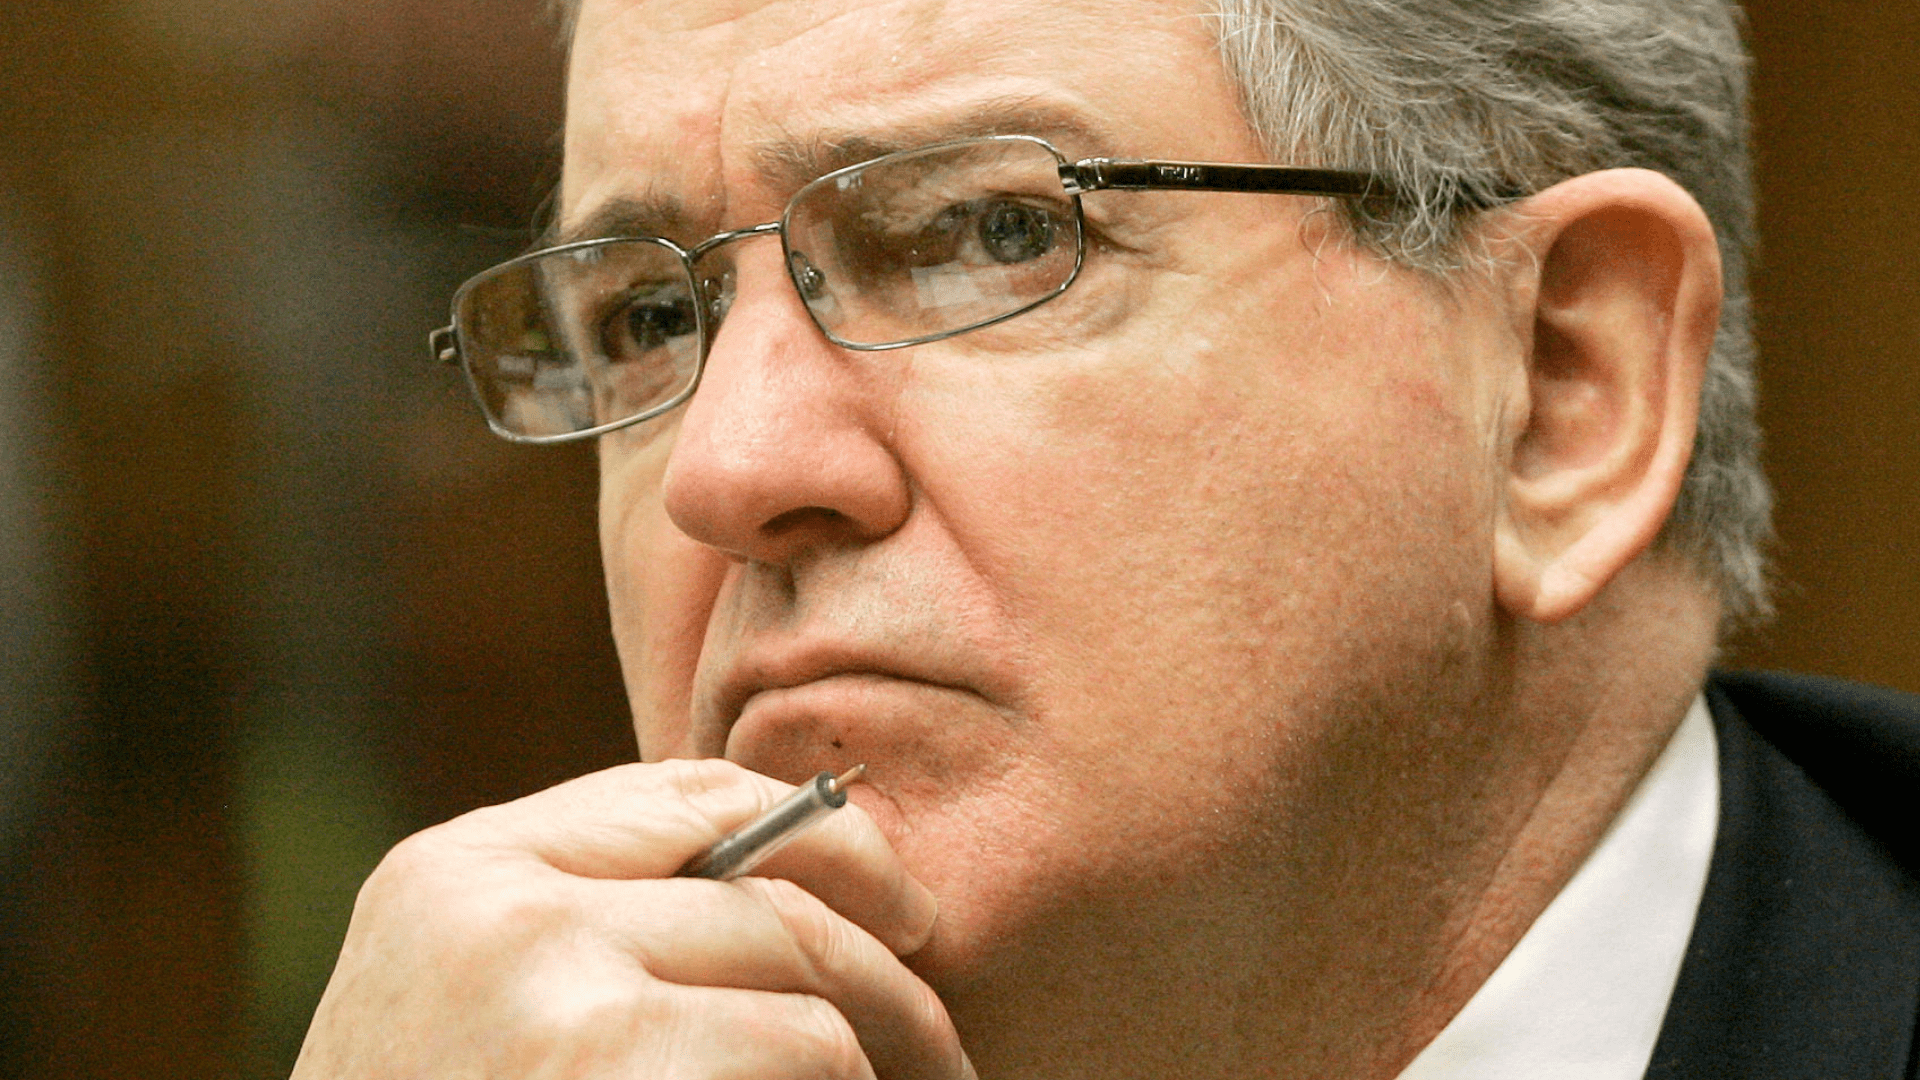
point(801, 519)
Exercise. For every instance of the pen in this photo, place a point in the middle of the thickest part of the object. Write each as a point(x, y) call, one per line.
point(742, 849)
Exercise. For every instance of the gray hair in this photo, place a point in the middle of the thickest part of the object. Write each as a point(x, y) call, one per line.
point(1455, 102)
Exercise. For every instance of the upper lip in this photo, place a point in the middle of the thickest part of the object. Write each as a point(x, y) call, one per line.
point(764, 668)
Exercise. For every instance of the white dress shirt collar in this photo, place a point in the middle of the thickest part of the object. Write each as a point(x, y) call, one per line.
point(1582, 994)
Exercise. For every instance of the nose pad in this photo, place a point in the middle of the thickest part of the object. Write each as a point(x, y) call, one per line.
point(808, 278)
point(718, 292)
point(811, 281)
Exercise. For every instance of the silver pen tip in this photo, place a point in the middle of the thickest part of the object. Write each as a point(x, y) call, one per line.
point(839, 783)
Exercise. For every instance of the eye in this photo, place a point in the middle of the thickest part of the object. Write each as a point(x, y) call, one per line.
point(984, 231)
point(651, 347)
point(1015, 232)
point(648, 323)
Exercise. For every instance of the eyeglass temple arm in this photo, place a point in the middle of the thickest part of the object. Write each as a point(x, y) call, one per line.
point(1097, 174)
point(1118, 174)
point(444, 345)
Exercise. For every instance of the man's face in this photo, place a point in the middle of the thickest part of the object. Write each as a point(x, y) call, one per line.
point(1188, 572)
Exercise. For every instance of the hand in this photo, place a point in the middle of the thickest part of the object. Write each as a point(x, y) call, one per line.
point(545, 939)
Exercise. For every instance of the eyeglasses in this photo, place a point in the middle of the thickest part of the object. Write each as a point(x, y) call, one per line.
point(577, 340)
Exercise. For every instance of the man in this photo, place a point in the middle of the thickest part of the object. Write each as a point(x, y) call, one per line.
point(1255, 605)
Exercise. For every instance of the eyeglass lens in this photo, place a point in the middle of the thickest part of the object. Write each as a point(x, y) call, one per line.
point(932, 242)
point(903, 249)
point(571, 340)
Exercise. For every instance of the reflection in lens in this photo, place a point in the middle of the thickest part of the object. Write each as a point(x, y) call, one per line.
point(928, 243)
point(1013, 233)
point(586, 335)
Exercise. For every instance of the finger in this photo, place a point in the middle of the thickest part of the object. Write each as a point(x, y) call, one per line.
point(643, 820)
point(771, 935)
point(647, 820)
point(729, 1034)
point(833, 860)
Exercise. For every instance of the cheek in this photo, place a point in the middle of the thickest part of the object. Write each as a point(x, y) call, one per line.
point(1206, 536)
point(660, 590)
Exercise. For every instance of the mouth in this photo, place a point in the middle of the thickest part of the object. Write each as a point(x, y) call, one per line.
point(819, 675)
point(794, 711)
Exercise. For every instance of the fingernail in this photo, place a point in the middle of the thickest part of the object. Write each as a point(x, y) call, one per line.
point(926, 911)
point(966, 1067)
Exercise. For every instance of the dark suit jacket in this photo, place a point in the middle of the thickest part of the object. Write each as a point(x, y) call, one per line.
point(1805, 958)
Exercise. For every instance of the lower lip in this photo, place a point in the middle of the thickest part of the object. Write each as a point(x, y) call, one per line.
point(855, 716)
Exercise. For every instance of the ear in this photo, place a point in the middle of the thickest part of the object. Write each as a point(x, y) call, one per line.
point(1623, 296)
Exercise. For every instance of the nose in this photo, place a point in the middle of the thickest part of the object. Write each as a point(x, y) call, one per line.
point(785, 446)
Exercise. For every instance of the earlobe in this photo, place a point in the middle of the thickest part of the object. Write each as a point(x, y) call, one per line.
point(1623, 297)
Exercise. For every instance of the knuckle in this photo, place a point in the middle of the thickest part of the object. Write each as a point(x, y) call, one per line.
point(713, 790)
point(825, 940)
point(572, 1012)
point(707, 795)
point(929, 1014)
point(418, 853)
point(670, 1034)
point(826, 1037)
point(692, 778)
point(460, 899)
point(408, 868)
point(579, 996)
point(518, 914)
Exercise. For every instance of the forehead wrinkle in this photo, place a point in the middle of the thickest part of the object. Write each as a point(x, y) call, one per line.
point(795, 150)
point(790, 160)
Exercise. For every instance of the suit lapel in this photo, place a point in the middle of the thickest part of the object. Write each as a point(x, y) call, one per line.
point(1805, 957)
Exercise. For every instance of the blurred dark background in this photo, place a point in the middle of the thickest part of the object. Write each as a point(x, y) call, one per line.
point(271, 598)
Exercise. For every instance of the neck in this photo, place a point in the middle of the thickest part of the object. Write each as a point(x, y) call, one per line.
point(1337, 941)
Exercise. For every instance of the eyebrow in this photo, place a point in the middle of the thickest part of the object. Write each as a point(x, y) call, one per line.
point(788, 163)
point(650, 214)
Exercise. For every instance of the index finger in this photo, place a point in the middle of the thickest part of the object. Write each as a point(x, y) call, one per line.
point(647, 820)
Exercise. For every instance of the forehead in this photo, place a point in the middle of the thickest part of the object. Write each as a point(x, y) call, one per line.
point(694, 103)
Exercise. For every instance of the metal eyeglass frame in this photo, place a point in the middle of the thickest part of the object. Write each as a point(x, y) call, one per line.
point(1076, 179)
